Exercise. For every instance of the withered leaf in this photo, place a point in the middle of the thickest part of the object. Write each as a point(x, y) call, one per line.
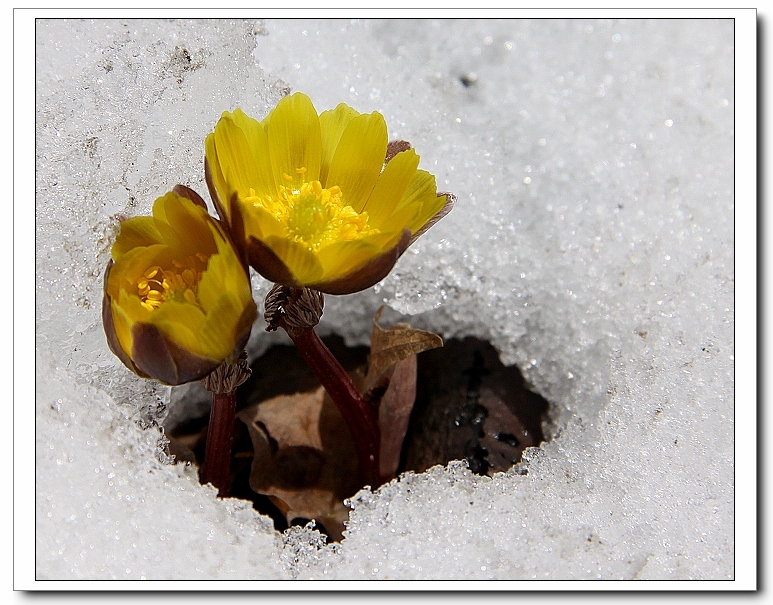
point(394, 412)
point(392, 371)
point(304, 457)
point(394, 344)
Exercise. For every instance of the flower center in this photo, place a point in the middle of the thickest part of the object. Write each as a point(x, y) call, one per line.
point(179, 282)
point(313, 215)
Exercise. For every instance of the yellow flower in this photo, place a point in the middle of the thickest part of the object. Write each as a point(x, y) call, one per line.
point(177, 299)
point(315, 200)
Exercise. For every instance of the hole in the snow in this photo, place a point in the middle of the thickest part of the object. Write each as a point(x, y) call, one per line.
point(468, 407)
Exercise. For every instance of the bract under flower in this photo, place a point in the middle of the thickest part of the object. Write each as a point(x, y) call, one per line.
point(177, 299)
point(312, 200)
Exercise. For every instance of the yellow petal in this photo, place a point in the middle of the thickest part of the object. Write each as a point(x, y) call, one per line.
point(358, 159)
point(234, 154)
point(294, 140)
point(182, 322)
point(370, 269)
point(391, 186)
point(123, 326)
point(260, 166)
point(224, 273)
point(137, 231)
point(212, 282)
point(384, 240)
point(301, 262)
point(169, 235)
point(416, 206)
point(401, 219)
point(260, 223)
point(218, 333)
point(421, 188)
point(342, 257)
point(429, 208)
point(332, 124)
point(187, 221)
point(422, 192)
point(130, 304)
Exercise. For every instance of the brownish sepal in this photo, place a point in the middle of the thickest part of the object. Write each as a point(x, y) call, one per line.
point(190, 194)
point(270, 266)
point(368, 274)
point(109, 326)
point(213, 192)
point(395, 147)
point(159, 357)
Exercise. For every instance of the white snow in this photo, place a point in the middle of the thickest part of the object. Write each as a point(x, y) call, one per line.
point(592, 244)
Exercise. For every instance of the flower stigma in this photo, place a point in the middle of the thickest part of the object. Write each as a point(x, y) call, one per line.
point(179, 282)
point(313, 215)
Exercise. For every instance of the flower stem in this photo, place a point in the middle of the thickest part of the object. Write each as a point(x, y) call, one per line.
point(220, 433)
point(222, 383)
point(358, 415)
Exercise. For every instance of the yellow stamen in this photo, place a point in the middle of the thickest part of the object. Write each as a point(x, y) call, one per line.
point(177, 282)
point(314, 215)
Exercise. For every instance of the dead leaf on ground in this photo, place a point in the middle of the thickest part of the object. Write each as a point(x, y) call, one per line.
point(304, 457)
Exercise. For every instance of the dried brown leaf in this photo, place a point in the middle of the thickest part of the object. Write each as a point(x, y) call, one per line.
point(304, 457)
point(391, 383)
point(394, 412)
point(394, 344)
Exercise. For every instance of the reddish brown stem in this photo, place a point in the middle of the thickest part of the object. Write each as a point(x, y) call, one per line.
point(358, 415)
point(217, 457)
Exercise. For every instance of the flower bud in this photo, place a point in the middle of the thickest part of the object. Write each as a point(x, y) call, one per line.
point(177, 300)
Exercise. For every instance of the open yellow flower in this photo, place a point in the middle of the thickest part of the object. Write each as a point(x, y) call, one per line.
point(316, 200)
point(177, 300)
